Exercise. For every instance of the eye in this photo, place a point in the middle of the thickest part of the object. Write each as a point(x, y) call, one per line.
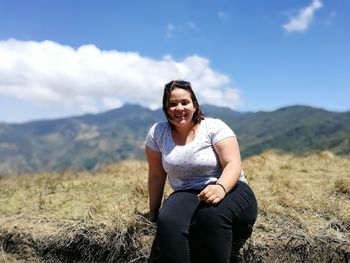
point(185, 102)
point(172, 103)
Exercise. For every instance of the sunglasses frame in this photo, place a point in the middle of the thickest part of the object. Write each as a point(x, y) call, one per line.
point(180, 83)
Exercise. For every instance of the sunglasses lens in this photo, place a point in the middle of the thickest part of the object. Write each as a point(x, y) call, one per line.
point(182, 83)
point(177, 83)
point(169, 85)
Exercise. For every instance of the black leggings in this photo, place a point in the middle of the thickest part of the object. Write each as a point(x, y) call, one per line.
point(189, 230)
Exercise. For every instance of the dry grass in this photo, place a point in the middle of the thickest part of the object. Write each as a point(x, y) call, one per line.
point(304, 206)
point(304, 212)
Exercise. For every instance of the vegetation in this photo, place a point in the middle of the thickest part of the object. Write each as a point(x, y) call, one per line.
point(91, 141)
point(304, 212)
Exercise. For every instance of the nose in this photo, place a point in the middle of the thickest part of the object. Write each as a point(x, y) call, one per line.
point(179, 106)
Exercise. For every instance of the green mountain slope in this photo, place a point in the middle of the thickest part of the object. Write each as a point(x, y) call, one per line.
point(93, 140)
point(297, 129)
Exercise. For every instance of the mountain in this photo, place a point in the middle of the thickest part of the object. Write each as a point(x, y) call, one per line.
point(93, 140)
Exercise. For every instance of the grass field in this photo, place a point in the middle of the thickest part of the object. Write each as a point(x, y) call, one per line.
point(304, 213)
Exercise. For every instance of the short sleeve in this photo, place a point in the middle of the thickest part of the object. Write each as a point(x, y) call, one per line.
point(220, 130)
point(151, 139)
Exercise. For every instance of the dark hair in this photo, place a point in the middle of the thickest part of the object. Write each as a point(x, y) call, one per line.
point(198, 115)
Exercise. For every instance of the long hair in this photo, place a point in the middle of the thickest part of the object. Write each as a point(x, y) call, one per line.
point(198, 115)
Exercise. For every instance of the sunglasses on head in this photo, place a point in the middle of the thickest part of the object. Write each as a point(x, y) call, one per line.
point(177, 83)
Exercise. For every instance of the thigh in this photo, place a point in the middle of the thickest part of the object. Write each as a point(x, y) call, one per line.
point(239, 205)
point(214, 229)
point(178, 209)
point(173, 226)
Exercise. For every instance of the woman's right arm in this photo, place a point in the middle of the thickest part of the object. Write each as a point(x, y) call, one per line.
point(156, 181)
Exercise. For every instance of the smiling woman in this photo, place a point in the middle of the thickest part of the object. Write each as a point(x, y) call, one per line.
point(178, 99)
point(212, 209)
point(181, 107)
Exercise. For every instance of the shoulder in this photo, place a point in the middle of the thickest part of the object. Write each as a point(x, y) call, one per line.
point(156, 136)
point(158, 129)
point(217, 130)
point(212, 120)
point(214, 123)
point(160, 126)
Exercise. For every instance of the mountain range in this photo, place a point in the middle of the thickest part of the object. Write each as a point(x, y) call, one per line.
point(90, 141)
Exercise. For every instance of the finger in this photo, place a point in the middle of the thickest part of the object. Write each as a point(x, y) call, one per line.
point(208, 194)
point(204, 198)
point(200, 195)
point(203, 192)
point(210, 199)
point(216, 201)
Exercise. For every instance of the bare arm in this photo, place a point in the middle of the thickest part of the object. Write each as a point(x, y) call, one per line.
point(156, 181)
point(230, 160)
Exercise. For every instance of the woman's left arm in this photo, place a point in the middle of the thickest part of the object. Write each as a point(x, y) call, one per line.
point(230, 160)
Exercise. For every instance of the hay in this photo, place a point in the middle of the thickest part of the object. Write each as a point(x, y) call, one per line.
point(303, 213)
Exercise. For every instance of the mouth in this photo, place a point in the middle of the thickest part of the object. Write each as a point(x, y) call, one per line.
point(180, 116)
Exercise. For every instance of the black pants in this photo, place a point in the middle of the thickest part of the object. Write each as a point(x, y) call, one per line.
point(189, 230)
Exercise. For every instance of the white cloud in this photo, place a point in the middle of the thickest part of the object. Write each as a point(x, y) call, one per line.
point(303, 19)
point(92, 79)
point(87, 103)
point(112, 103)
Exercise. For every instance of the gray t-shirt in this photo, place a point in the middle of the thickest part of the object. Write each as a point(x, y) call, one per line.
point(194, 165)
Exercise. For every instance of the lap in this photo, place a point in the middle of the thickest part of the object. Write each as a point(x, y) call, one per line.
point(181, 207)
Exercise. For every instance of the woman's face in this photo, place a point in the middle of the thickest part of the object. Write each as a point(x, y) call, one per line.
point(181, 108)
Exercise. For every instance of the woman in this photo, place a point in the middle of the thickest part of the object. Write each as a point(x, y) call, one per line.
point(212, 207)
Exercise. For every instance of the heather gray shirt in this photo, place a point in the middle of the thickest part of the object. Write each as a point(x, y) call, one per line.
point(194, 165)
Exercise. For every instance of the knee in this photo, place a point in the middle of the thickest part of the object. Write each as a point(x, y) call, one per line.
point(171, 224)
point(165, 221)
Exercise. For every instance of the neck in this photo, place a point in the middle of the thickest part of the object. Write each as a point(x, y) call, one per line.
point(184, 135)
point(185, 130)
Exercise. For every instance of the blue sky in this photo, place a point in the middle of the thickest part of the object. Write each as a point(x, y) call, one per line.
point(61, 58)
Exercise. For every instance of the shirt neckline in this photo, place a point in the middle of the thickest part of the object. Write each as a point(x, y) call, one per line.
point(194, 140)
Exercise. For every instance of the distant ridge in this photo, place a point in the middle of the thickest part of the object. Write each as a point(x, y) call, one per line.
point(92, 140)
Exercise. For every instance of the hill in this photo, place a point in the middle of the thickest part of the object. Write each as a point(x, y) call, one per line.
point(90, 141)
point(96, 217)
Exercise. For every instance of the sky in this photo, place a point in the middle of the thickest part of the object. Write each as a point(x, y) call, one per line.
point(61, 58)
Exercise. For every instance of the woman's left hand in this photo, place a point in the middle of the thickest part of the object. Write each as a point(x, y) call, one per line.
point(212, 194)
